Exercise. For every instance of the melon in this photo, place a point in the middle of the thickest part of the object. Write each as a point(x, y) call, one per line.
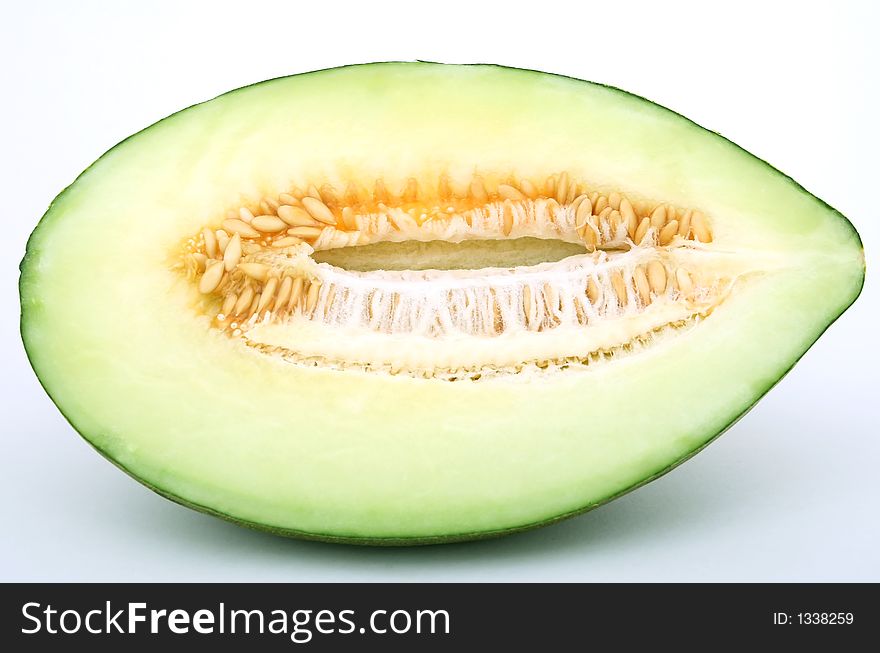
point(408, 303)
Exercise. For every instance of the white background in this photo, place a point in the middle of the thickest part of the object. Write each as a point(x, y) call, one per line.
point(790, 493)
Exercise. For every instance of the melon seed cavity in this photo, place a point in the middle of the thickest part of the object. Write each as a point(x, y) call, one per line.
point(629, 282)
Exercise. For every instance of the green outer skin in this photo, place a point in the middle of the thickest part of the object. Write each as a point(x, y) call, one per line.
point(463, 536)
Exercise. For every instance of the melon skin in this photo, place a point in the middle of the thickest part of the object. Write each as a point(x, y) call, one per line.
point(452, 484)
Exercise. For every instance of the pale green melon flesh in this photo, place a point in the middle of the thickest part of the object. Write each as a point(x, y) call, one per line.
point(111, 332)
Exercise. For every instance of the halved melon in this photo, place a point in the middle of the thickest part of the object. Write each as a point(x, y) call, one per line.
point(409, 303)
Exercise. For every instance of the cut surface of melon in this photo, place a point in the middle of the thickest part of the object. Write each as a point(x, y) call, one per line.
point(322, 306)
